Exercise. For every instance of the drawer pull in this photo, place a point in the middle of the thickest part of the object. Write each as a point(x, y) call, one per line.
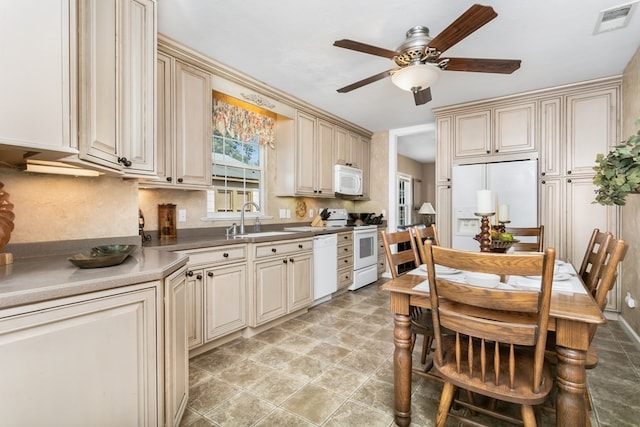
point(284, 261)
point(300, 246)
point(273, 250)
point(210, 274)
point(226, 255)
point(190, 273)
point(291, 260)
point(199, 277)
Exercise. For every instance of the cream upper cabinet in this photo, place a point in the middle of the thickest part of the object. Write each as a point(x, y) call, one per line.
point(365, 144)
point(117, 72)
point(184, 125)
point(495, 130)
point(348, 148)
point(33, 34)
point(552, 155)
point(444, 142)
point(305, 157)
point(592, 127)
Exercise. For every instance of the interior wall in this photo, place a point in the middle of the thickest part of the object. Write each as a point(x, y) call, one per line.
point(631, 211)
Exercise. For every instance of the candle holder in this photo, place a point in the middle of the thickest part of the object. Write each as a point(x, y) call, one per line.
point(485, 235)
point(501, 226)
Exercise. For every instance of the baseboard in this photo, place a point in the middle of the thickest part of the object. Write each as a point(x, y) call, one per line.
point(629, 329)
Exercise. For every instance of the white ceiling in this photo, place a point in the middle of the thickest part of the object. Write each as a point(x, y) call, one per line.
point(288, 44)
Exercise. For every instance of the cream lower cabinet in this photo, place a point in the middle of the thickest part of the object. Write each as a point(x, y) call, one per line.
point(176, 351)
point(216, 289)
point(345, 259)
point(282, 279)
point(93, 359)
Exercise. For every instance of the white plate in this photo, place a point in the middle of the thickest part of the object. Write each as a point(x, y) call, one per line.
point(442, 270)
point(482, 279)
point(558, 277)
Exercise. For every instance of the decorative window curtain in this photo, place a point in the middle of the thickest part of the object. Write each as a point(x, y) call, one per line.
point(239, 120)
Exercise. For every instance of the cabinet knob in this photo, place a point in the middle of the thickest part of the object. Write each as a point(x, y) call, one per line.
point(569, 180)
point(543, 182)
point(488, 151)
point(291, 260)
point(190, 273)
point(284, 261)
point(226, 255)
point(300, 246)
point(315, 191)
point(169, 179)
point(568, 172)
point(543, 173)
point(180, 180)
point(210, 273)
point(199, 277)
point(497, 151)
point(124, 161)
point(273, 250)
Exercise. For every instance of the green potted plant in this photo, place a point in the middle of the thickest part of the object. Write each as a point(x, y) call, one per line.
point(618, 173)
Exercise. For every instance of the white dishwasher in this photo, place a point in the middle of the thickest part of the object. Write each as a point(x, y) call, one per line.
point(325, 267)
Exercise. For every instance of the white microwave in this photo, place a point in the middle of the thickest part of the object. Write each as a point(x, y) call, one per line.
point(347, 181)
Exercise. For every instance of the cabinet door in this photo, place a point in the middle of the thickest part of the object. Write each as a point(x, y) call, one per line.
point(98, 74)
point(90, 360)
point(36, 35)
point(551, 143)
point(225, 300)
point(592, 127)
point(553, 215)
point(195, 303)
point(270, 290)
point(340, 150)
point(300, 281)
point(164, 103)
point(444, 138)
point(444, 214)
point(472, 134)
point(324, 158)
point(515, 128)
point(582, 217)
point(366, 166)
point(176, 356)
point(138, 79)
point(306, 154)
point(193, 126)
point(354, 145)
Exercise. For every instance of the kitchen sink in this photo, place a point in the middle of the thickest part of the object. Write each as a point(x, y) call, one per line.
point(263, 234)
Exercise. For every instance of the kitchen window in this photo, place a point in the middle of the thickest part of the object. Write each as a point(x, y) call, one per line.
point(241, 131)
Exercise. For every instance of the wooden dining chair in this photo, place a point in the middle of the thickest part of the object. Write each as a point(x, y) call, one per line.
point(425, 233)
point(594, 258)
point(498, 346)
point(400, 249)
point(529, 246)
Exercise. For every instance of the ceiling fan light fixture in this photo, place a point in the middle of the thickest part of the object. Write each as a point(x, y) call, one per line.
point(417, 77)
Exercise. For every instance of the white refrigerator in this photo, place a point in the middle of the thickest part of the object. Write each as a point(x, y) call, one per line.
point(513, 183)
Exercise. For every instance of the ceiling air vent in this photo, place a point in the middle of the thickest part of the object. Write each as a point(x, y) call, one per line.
point(614, 18)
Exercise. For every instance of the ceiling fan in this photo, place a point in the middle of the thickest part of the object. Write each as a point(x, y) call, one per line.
point(418, 58)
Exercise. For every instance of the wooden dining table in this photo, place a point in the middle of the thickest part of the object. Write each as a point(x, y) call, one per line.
point(570, 317)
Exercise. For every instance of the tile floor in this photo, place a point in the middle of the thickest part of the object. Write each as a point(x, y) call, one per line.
point(333, 366)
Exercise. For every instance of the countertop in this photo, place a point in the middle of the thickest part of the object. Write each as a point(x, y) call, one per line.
point(31, 280)
point(49, 276)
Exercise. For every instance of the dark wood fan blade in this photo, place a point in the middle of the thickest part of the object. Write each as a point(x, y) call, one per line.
point(475, 17)
point(365, 48)
point(366, 81)
point(482, 65)
point(422, 96)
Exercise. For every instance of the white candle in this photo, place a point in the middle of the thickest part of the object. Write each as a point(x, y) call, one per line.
point(485, 201)
point(504, 213)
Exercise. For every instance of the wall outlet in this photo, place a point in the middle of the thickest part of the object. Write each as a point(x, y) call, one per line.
point(384, 213)
point(283, 213)
point(310, 213)
point(182, 215)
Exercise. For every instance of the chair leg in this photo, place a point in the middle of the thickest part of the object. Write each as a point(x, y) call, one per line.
point(413, 342)
point(528, 416)
point(426, 346)
point(448, 393)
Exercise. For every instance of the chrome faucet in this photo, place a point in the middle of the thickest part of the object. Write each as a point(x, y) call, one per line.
point(244, 205)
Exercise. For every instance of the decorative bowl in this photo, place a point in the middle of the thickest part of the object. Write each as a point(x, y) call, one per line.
point(502, 246)
point(102, 256)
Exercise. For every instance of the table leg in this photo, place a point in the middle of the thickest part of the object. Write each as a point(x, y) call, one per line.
point(571, 379)
point(402, 369)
